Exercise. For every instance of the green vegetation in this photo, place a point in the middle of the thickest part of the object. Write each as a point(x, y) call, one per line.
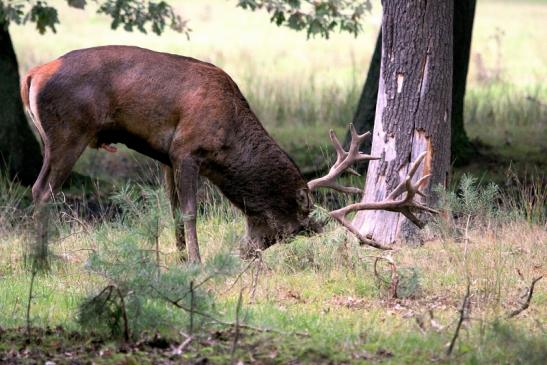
point(319, 296)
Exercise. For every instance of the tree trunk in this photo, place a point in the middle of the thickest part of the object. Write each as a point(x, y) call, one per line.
point(462, 149)
point(364, 115)
point(20, 156)
point(464, 15)
point(413, 108)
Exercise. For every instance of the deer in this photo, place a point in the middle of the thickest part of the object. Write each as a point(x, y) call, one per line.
point(191, 117)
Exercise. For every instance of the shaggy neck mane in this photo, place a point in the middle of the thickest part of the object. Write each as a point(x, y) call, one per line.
point(256, 175)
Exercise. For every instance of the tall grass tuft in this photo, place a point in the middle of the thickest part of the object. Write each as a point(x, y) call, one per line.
point(526, 196)
point(12, 204)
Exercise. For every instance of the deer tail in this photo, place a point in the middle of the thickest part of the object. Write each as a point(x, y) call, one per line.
point(25, 87)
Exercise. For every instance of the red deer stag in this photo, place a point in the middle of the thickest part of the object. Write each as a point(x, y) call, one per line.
point(190, 116)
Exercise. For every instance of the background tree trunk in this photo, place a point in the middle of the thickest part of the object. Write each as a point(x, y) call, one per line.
point(462, 149)
point(464, 15)
point(413, 107)
point(20, 155)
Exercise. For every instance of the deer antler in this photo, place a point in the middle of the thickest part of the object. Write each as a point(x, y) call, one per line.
point(344, 160)
point(393, 202)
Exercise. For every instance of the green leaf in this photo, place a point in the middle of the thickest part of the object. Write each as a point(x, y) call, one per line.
point(44, 16)
point(143, 14)
point(11, 13)
point(78, 4)
point(318, 17)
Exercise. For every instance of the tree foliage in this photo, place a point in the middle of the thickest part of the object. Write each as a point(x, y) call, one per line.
point(317, 17)
point(139, 14)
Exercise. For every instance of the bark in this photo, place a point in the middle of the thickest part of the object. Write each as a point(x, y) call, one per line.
point(20, 156)
point(462, 149)
point(464, 15)
point(364, 115)
point(413, 107)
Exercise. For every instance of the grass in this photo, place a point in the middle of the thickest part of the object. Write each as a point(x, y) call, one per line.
point(301, 88)
point(323, 285)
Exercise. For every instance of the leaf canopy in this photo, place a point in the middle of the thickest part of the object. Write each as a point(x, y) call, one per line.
point(317, 17)
point(143, 15)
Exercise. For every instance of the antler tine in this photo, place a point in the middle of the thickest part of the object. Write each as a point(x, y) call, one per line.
point(340, 152)
point(341, 218)
point(404, 185)
point(419, 183)
point(399, 189)
point(358, 138)
point(345, 189)
point(356, 141)
point(411, 217)
point(410, 189)
point(414, 166)
point(353, 172)
point(344, 160)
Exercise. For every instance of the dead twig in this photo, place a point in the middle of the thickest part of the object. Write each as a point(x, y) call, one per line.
point(180, 349)
point(394, 282)
point(238, 277)
point(237, 328)
point(463, 317)
point(126, 333)
point(30, 297)
point(254, 283)
point(177, 304)
point(191, 329)
point(526, 304)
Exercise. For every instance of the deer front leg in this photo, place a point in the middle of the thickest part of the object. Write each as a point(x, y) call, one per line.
point(171, 190)
point(186, 174)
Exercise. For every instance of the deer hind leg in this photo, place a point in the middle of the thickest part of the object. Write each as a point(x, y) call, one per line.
point(186, 172)
point(56, 167)
point(170, 188)
point(57, 164)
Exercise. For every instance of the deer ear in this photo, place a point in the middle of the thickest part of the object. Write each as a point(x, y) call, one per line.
point(304, 199)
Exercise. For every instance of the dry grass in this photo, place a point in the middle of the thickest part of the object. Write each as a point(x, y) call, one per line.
point(325, 285)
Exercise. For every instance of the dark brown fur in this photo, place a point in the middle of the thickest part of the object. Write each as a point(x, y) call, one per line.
point(187, 114)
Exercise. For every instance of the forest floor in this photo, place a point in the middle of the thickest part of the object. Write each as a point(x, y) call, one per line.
point(317, 299)
point(314, 299)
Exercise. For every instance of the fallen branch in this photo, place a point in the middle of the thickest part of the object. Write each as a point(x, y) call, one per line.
point(526, 304)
